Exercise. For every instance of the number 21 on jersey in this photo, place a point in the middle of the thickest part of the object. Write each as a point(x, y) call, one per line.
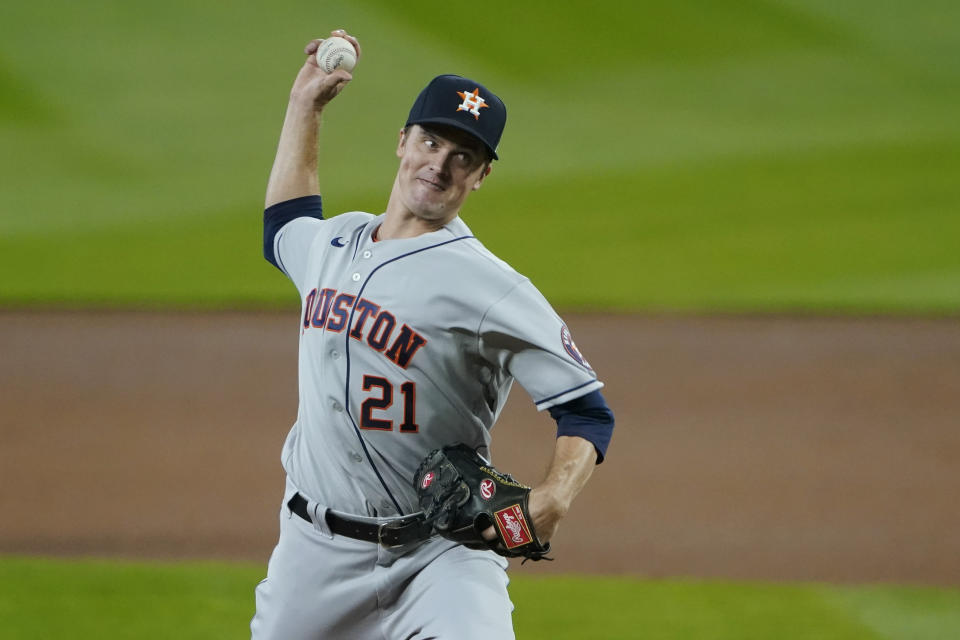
point(381, 399)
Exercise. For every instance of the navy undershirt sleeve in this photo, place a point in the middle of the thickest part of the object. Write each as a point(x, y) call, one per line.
point(275, 216)
point(587, 417)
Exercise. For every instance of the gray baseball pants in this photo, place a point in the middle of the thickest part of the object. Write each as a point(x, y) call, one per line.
point(323, 586)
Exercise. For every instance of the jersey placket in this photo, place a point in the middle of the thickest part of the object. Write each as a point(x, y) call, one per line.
point(356, 271)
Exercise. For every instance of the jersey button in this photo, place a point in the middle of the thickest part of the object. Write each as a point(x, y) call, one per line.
point(335, 354)
point(337, 407)
point(356, 457)
point(367, 254)
point(356, 277)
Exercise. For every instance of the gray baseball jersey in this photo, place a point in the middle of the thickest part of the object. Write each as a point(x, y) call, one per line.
point(407, 345)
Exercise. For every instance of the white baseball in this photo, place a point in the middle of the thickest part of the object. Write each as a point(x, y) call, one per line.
point(336, 53)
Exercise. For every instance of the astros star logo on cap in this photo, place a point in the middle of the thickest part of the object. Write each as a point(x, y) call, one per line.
point(472, 102)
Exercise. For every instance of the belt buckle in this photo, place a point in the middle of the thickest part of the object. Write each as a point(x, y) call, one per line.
point(380, 529)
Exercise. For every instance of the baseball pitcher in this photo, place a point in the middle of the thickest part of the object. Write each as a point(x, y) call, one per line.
point(394, 523)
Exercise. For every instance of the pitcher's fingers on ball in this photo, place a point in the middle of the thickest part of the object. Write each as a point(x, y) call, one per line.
point(339, 77)
point(354, 42)
point(341, 33)
point(333, 84)
point(312, 46)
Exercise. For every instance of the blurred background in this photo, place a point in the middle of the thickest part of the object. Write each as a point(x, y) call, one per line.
point(748, 213)
point(678, 155)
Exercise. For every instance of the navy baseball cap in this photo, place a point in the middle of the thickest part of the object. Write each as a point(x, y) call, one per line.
point(462, 103)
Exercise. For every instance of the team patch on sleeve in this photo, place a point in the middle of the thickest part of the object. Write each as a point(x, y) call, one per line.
point(571, 347)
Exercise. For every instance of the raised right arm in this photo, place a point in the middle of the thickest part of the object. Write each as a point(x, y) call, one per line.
point(294, 172)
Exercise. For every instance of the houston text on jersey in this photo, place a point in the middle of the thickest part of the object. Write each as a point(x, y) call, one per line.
point(326, 309)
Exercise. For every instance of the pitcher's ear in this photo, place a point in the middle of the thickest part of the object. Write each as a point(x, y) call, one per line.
point(486, 171)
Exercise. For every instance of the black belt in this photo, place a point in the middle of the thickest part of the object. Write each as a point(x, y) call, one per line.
point(389, 534)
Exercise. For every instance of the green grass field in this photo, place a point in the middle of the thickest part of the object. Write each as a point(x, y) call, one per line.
point(701, 155)
point(44, 598)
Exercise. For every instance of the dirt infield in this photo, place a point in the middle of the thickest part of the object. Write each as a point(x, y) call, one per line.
point(774, 448)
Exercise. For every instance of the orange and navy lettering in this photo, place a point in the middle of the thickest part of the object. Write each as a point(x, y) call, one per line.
point(406, 344)
point(381, 330)
point(362, 311)
point(322, 308)
point(326, 309)
point(384, 402)
point(340, 312)
point(308, 305)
